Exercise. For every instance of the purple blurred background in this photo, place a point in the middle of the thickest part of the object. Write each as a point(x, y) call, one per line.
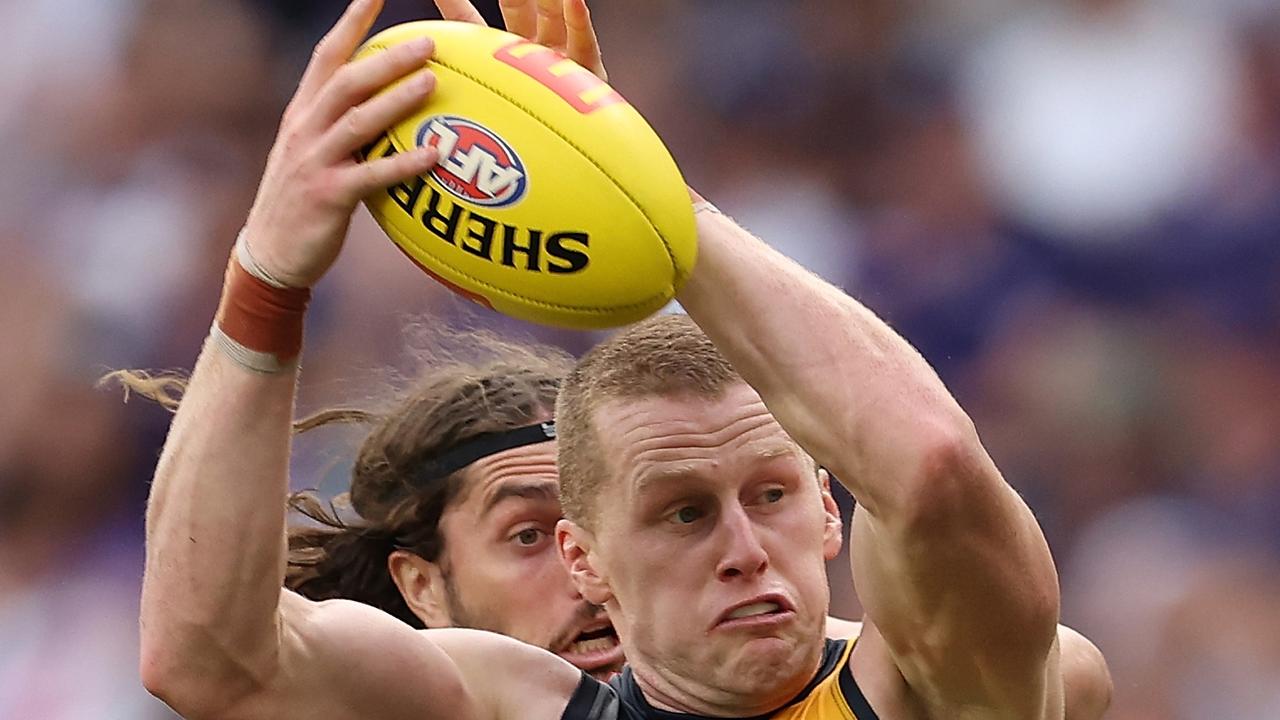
point(1072, 207)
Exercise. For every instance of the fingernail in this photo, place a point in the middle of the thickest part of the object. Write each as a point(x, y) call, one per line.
point(420, 46)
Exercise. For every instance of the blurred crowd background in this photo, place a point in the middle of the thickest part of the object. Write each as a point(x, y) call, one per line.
point(1072, 207)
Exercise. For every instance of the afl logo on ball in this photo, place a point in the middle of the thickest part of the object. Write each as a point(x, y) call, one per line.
point(475, 164)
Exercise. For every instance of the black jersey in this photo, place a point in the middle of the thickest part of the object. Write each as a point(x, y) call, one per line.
point(831, 695)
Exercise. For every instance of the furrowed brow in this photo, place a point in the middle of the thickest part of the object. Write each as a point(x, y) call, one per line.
point(665, 475)
point(543, 490)
point(772, 452)
point(652, 480)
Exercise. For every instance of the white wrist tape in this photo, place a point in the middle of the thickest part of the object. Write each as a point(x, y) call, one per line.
point(705, 206)
point(253, 267)
point(257, 361)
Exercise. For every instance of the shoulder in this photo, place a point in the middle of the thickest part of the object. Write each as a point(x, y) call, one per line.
point(465, 673)
point(1086, 680)
point(518, 679)
point(476, 653)
point(343, 659)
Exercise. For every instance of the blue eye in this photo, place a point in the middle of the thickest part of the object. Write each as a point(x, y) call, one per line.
point(773, 495)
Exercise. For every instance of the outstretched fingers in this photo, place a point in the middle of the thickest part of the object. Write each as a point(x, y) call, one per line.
point(363, 123)
point(551, 30)
point(520, 17)
point(379, 173)
point(460, 10)
point(336, 47)
point(361, 79)
point(583, 47)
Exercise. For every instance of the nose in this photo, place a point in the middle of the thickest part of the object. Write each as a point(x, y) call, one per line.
point(744, 556)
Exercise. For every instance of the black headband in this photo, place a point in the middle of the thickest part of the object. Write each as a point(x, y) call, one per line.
point(484, 445)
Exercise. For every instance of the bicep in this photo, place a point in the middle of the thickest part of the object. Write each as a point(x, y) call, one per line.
point(342, 659)
point(963, 590)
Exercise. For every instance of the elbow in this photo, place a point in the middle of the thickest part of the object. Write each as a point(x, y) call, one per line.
point(951, 481)
point(1099, 696)
point(1086, 677)
point(166, 658)
point(160, 665)
point(958, 500)
point(152, 673)
point(162, 675)
point(188, 681)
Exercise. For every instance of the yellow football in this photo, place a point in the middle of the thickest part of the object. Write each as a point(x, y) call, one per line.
point(553, 200)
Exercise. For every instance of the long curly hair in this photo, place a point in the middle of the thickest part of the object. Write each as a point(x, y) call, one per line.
point(341, 550)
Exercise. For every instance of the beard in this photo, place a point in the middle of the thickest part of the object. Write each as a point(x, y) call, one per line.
point(462, 615)
point(467, 615)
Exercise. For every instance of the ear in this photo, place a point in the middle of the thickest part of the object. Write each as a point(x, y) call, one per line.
point(422, 586)
point(833, 528)
point(577, 553)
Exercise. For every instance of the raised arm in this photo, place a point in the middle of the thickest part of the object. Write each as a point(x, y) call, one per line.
point(950, 565)
point(219, 638)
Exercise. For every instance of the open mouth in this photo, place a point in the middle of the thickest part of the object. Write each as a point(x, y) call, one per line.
point(595, 650)
point(755, 610)
point(764, 610)
point(594, 641)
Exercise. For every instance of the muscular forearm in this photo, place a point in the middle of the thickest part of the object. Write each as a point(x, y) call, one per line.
point(950, 565)
point(215, 527)
point(848, 388)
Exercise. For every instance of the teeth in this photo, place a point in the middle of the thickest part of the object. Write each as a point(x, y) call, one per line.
point(754, 609)
point(590, 646)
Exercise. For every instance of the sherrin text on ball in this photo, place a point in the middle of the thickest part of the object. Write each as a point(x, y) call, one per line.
point(553, 200)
